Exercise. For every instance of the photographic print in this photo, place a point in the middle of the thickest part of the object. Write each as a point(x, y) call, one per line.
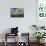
point(17, 12)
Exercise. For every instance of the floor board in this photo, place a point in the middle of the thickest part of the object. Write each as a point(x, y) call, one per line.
point(13, 44)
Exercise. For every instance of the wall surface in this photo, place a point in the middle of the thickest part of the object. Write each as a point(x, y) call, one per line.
point(24, 23)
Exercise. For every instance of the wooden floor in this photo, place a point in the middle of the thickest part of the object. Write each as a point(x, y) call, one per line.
point(13, 44)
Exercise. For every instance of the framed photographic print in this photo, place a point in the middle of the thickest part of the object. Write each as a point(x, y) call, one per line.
point(41, 8)
point(17, 12)
point(41, 12)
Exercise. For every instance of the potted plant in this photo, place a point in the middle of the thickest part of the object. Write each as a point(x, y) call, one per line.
point(38, 27)
point(35, 26)
point(42, 27)
point(39, 35)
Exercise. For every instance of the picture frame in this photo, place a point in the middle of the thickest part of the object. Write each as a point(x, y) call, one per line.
point(17, 12)
point(41, 8)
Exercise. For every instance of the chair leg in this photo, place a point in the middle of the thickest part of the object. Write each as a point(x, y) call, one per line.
point(5, 40)
point(5, 43)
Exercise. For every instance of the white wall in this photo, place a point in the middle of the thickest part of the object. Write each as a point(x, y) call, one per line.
point(23, 23)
